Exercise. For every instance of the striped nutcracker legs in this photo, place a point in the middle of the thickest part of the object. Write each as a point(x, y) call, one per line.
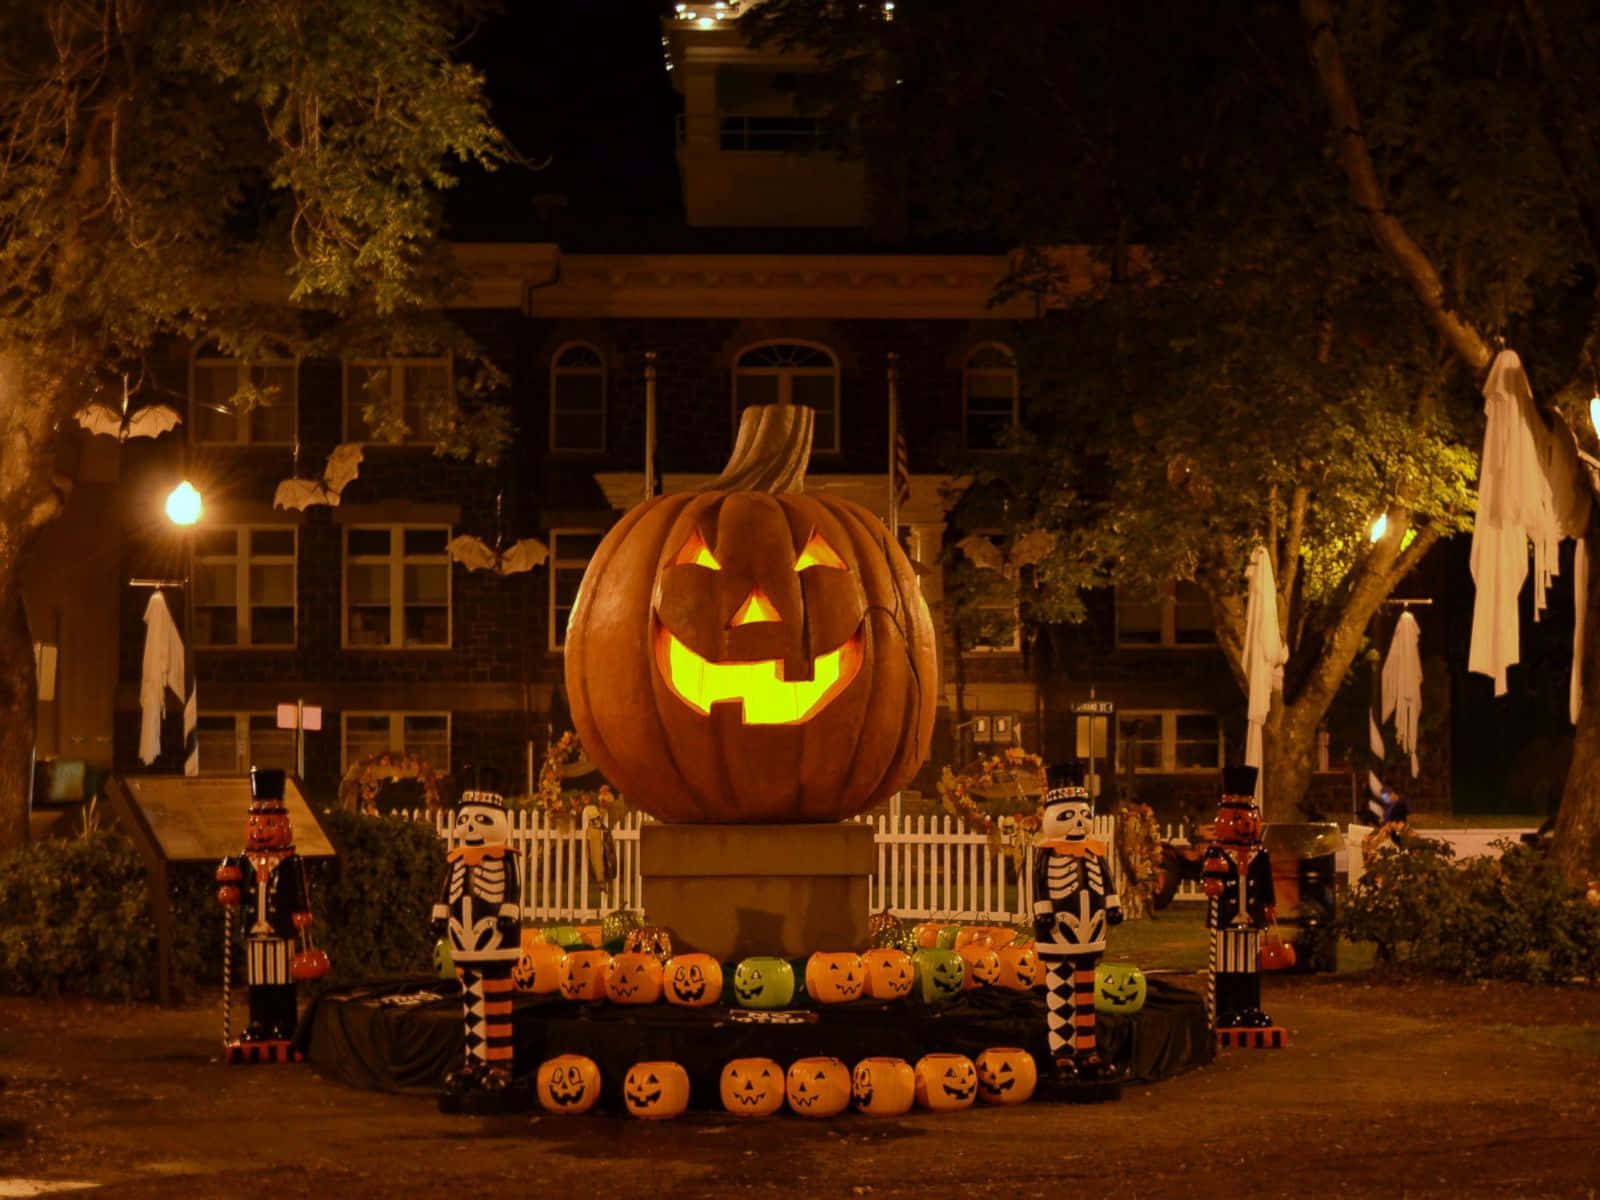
point(486, 1013)
point(1069, 1005)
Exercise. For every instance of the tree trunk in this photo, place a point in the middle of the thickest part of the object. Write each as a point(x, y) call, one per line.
point(1576, 849)
point(1288, 753)
point(18, 698)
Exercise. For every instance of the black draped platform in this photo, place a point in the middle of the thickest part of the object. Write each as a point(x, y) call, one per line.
point(398, 1035)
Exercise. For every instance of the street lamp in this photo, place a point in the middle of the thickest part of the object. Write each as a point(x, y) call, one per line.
point(183, 504)
point(1379, 527)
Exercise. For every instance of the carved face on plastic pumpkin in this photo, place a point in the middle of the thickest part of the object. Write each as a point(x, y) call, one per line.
point(818, 1087)
point(1019, 967)
point(692, 980)
point(654, 1091)
point(982, 963)
point(889, 974)
point(634, 979)
point(835, 978)
point(946, 1081)
point(568, 1083)
point(479, 824)
point(1118, 988)
point(1239, 821)
point(763, 983)
point(884, 1087)
point(267, 828)
point(752, 1087)
point(540, 968)
point(940, 974)
point(1006, 1075)
point(584, 976)
point(777, 645)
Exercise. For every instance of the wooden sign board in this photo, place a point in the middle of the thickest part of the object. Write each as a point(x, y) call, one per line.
point(201, 819)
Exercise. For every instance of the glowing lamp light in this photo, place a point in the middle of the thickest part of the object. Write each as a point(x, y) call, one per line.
point(183, 504)
point(1594, 414)
point(1379, 527)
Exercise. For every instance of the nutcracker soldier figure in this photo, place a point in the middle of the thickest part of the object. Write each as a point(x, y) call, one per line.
point(479, 909)
point(268, 885)
point(1238, 881)
point(1074, 902)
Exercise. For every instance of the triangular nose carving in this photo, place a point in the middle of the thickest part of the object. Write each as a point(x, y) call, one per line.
point(756, 607)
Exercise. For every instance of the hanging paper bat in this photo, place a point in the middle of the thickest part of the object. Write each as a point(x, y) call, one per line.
point(477, 555)
point(150, 421)
point(1025, 550)
point(343, 466)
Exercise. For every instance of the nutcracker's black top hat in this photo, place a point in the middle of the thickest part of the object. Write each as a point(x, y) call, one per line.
point(1063, 782)
point(266, 790)
point(1239, 786)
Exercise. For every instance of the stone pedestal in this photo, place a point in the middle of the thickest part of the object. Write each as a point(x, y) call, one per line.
point(736, 890)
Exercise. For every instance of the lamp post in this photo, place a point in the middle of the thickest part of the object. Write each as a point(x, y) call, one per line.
point(184, 506)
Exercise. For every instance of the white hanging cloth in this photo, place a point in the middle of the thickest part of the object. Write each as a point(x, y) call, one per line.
point(1264, 654)
point(1580, 607)
point(164, 669)
point(1514, 507)
point(1402, 685)
point(1570, 497)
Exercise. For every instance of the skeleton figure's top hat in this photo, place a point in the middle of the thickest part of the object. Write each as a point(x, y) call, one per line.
point(483, 800)
point(1063, 783)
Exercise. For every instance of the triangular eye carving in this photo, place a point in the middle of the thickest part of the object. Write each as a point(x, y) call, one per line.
point(697, 552)
point(817, 553)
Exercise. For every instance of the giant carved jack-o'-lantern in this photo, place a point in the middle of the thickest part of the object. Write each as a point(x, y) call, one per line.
point(752, 653)
point(884, 1087)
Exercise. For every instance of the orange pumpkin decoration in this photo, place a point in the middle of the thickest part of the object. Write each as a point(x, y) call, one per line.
point(835, 978)
point(692, 980)
point(584, 975)
point(946, 1081)
point(654, 1091)
point(726, 645)
point(818, 1087)
point(983, 965)
point(1006, 1075)
point(539, 969)
point(593, 936)
point(927, 934)
point(890, 974)
point(968, 934)
point(752, 1087)
point(568, 1083)
point(634, 979)
point(884, 1087)
point(1019, 967)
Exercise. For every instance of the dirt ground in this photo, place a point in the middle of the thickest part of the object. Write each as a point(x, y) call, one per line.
point(1386, 1090)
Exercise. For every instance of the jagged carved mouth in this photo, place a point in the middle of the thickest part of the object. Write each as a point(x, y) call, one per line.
point(764, 695)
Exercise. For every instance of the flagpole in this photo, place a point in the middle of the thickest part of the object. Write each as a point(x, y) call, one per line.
point(894, 421)
point(649, 424)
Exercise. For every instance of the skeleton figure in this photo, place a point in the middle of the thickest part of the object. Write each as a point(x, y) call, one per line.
point(480, 909)
point(1238, 881)
point(268, 882)
point(1073, 904)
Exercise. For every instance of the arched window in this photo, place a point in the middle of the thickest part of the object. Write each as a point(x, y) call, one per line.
point(217, 385)
point(791, 373)
point(989, 397)
point(577, 398)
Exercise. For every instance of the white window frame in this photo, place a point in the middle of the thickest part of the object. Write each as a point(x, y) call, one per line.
point(395, 365)
point(555, 634)
point(243, 758)
point(397, 733)
point(1169, 625)
point(967, 373)
point(243, 558)
point(396, 559)
point(557, 372)
point(1169, 740)
point(786, 376)
point(203, 359)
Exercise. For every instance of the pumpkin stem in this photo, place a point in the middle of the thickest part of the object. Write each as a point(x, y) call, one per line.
point(771, 451)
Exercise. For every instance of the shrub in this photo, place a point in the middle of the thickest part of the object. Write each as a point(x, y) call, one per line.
point(75, 917)
point(1509, 918)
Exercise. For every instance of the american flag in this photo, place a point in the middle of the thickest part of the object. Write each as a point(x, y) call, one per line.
point(902, 466)
point(899, 456)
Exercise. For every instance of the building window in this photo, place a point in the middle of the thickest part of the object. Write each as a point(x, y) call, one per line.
point(217, 386)
point(244, 587)
point(577, 399)
point(989, 397)
point(1169, 742)
point(408, 391)
point(424, 736)
point(777, 135)
point(791, 373)
point(231, 743)
point(1179, 615)
point(570, 552)
point(397, 587)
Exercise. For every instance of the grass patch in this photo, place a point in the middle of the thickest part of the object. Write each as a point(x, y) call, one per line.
point(1579, 1039)
point(1176, 939)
